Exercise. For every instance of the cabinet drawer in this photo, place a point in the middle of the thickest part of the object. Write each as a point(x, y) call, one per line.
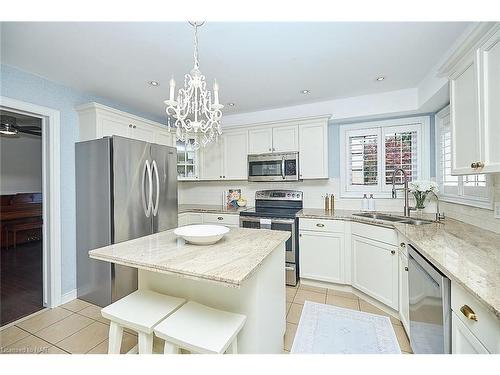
point(375, 233)
point(320, 225)
point(225, 219)
point(487, 326)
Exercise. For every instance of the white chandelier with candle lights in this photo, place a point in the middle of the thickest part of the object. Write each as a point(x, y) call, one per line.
point(193, 113)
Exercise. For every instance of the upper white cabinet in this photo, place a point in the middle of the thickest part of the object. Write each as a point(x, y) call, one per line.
point(265, 139)
point(313, 150)
point(286, 138)
point(474, 74)
point(226, 159)
point(260, 140)
point(235, 145)
point(97, 121)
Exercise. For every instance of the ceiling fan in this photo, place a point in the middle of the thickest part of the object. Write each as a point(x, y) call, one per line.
point(9, 126)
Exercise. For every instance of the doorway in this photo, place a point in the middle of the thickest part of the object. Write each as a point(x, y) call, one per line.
point(24, 240)
point(21, 212)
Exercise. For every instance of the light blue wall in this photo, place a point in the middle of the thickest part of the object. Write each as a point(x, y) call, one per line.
point(27, 87)
point(334, 144)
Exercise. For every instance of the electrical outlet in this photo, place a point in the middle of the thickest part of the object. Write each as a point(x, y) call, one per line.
point(497, 210)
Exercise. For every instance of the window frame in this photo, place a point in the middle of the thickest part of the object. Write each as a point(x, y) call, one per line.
point(460, 197)
point(381, 127)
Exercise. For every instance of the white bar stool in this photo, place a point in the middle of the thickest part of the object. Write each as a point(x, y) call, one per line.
point(200, 329)
point(140, 311)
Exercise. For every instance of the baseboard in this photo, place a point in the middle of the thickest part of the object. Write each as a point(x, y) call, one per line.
point(70, 296)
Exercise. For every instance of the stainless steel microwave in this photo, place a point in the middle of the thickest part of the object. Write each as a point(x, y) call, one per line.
point(277, 166)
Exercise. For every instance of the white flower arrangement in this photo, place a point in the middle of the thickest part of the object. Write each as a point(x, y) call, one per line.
point(424, 186)
point(420, 189)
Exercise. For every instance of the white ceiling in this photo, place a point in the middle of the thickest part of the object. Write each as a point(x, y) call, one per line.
point(258, 65)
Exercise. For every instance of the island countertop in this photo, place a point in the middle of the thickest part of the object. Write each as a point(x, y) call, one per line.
point(230, 261)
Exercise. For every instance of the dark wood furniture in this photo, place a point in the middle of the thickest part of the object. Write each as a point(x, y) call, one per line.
point(20, 218)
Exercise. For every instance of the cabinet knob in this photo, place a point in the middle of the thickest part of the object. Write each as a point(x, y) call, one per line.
point(134, 126)
point(406, 268)
point(270, 150)
point(129, 125)
point(220, 218)
point(223, 176)
point(300, 235)
point(480, 164)
point(393, 252)
point(220, 176)
point(402, 244)
point(473, 165)
point(274, 149)
point(320, 225)
point(468, 312)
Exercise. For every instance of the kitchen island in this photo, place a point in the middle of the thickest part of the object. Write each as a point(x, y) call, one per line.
point(242, 273)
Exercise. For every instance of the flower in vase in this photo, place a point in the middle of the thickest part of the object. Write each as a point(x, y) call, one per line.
point(420, 189)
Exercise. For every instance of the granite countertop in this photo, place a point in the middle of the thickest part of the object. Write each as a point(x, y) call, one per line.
point(467, 254)
point(209, 208)
point(230, 261)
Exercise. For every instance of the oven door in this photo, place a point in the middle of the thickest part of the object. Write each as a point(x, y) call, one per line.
point(273, 167)
point(287, 225)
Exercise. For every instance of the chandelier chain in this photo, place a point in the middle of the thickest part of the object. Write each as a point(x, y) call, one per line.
point(196, 61)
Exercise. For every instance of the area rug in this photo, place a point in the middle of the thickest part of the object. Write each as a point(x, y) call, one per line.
point(325, 329)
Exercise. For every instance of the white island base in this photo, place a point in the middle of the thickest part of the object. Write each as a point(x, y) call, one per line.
point(261, 297)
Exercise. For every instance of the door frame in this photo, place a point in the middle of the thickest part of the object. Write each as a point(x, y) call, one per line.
point(51, 193)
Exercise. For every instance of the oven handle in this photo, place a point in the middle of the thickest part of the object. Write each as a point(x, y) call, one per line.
point(277, 221)
point(283, 167)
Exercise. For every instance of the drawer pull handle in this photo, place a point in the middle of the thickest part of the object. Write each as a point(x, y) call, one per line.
point(468, 312)
point(220, 218)
point(320, 225)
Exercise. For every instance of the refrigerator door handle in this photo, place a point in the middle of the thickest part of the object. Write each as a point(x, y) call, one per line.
point(156, 205)
point(147, 206)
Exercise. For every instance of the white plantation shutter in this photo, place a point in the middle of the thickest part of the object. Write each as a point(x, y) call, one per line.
point(401, 151)
point(363, 157)
point(471, 189)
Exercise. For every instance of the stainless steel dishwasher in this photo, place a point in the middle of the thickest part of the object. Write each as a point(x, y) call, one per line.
point(430, 309)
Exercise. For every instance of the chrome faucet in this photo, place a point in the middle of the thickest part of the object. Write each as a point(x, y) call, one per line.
point(407, 207)
point(439, 216)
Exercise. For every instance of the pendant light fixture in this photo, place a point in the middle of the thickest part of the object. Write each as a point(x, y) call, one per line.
point(191, 112)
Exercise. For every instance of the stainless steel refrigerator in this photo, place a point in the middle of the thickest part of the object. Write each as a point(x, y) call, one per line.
point(125, 189)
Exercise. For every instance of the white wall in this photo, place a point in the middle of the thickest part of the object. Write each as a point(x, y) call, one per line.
point(20, 164)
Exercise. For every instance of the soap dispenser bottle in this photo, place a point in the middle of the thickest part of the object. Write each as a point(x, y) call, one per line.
point(364, 203)
point(371, 203)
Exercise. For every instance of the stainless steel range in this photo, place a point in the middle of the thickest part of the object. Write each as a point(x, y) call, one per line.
point(276, 210)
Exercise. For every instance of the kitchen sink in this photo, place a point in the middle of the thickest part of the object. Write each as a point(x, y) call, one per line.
point(394, 218)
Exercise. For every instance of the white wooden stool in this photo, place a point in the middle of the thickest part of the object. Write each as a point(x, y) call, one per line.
point(200, 329)
point(140, 311)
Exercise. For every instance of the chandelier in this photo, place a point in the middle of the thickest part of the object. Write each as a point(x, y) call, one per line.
point(193, 113)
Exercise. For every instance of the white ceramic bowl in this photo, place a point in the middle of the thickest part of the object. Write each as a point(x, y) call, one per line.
point(202, 234)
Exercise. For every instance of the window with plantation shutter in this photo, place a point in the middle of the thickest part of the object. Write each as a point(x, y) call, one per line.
point(374, 150)
point(473, 190)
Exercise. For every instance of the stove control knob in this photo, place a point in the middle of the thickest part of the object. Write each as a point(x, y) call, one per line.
point(293, 195)
point(288, 195)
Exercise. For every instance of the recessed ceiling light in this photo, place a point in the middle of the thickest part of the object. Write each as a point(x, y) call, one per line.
point(381, 78)
point(231, 104)
point(305, 92)
point(154, 83)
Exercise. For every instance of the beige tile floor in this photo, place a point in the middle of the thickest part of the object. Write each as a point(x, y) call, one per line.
point(78, 327)
point(295, 298)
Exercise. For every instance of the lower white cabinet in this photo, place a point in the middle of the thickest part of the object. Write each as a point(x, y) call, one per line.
point(463, 340)
point(375, 269)
point(322, 256)
point(189, 218)
point(404, 295)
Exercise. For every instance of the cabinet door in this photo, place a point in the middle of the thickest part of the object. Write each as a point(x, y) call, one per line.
point(489, 66)
point(465, 131)
point(322, 256)
point(375, 270)
point(313, 151)
point(211, 161)
point(109, 126)
point(164, 137)
point(286, 138)
point(143, 132)
point(260, 140)
point(235, 155)
point(463, 340)
point(404, 299)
